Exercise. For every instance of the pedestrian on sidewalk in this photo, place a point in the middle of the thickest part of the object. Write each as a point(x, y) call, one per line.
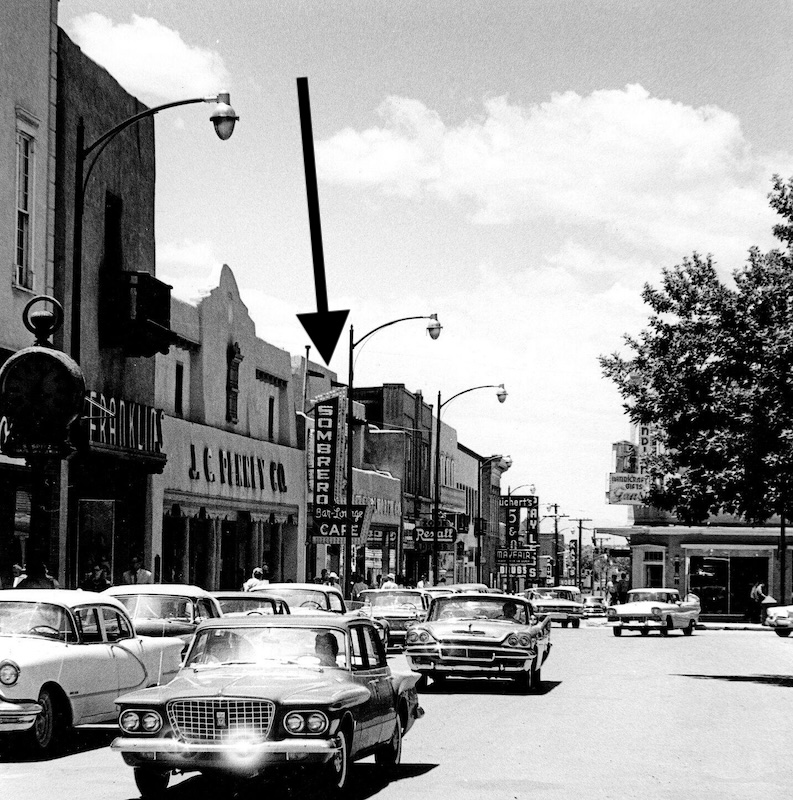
point(756, 597)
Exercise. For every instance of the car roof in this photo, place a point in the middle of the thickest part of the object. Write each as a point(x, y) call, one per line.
point(64, 597)
point(319, 620)
point(317, 587)
point(183, 589)
point(484, 596)
point(241, 595)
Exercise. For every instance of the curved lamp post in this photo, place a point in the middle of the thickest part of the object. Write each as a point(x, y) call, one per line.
point(479, 521)
point(501, 394)
point(434, 329)
point(223, 118)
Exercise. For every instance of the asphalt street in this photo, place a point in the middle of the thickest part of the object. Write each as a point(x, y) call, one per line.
point(706, 716)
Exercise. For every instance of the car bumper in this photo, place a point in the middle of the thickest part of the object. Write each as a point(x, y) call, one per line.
point(17, 716)
point(636, 624)
point(560, 616)
point(230, 756)
point(781, 622)
point(441, 661)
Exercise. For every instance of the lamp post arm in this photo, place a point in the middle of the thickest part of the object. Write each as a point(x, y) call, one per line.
point(465, 391)
point(385, 325)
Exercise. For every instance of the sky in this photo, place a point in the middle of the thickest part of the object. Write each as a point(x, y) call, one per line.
point(520, 168)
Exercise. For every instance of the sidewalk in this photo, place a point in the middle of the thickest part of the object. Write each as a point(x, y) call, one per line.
point(732, 626)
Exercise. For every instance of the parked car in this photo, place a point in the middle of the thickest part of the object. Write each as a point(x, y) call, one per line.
point(64, 655)
point(167, 609)
point(251, 603)
point(780, 620)
point(594, 606)
point(655, 609)
point(292, 691)
point(308, 598)
point(563, 604)
point(472, 635)
point(398, 608)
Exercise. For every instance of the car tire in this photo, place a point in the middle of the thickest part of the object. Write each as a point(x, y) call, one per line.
point(338, 768)
point(564, 623)
point(664, 631)
point(439, 681)
point(390, 754)
point(616, 630)
point(782, 632)
point(421, 683)
point(576, 622)
point(151, 782)
point(645, 631)
point(535, 678)
point(689, 629)
point(48, 731)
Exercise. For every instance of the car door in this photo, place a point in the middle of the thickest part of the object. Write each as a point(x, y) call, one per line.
point(92, 681)
point(126, 648)
point(380, 683)
point(367, 714)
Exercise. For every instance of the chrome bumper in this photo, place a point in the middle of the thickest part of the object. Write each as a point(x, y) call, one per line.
point(17, 716)
point(649, 623)
point(244, 756)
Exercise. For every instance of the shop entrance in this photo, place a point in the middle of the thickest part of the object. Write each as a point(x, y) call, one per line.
point(723, 583)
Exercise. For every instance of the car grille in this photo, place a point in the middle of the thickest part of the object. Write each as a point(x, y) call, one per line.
point(399, 624)
point(633, 618)
point(218, 719)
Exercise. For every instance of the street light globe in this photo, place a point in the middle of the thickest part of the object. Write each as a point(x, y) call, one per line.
point(223, 117)
point(501, 394)
point(434, 328)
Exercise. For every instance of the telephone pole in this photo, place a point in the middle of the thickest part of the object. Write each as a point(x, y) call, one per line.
point(580, 521)
point(556, 517)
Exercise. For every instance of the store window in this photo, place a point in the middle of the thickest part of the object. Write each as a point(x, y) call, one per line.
point(653, 569)
point(23, 273)
point(233, 382)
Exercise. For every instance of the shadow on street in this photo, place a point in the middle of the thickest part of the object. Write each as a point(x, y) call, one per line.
point(366, 780)
point(80, 740)
point(770, 680)
point(486, 686)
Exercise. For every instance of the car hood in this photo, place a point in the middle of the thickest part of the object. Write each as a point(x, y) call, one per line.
point(643, 607)
point(547, 601)
point(476, 630)
point(281, 684)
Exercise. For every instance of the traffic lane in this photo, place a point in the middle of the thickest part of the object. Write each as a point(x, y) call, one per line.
point(650, 716)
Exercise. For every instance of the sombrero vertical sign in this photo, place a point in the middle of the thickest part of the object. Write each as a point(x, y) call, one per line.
point(330, 518)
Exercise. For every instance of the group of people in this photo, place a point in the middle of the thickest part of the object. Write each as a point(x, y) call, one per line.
point(35, 575)
point(617, 589)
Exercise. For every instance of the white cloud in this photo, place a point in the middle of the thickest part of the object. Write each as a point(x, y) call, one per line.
point(642, 171)
point(191, 267)
point(149, 59)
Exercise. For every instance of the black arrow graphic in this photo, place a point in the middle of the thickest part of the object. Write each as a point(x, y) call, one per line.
point(323, 327)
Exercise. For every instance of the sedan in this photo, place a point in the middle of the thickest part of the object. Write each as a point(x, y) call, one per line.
point(480, 635)
point(261, 693)
point(662, 610)
point(250, 604)
point(64, 657)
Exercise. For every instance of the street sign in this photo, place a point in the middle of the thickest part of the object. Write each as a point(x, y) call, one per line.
point(517, 555)
point(446, 533)
point(330, 524)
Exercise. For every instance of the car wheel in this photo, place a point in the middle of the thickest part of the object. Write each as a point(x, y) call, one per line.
point(645, 631)
point(576, 623)
point(421, 683)
point(151, 782)
point(617, 631)
point(390, 754)
point(536, 677)
point(48, 730)
point(689, 629)
point(339, 766)
point(668, 627)
point(439, 681)
point(782, 632)
point(564, 623)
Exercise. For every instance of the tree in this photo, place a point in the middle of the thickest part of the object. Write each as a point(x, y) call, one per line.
point(713, 372)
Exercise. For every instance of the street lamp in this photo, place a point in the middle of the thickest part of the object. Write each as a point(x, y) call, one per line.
point(501, 394)
point(507, 460)
point(434, 329)
point(223, 118)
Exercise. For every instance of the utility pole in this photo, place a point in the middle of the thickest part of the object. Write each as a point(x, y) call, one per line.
point(580, 521)
point(556, 516)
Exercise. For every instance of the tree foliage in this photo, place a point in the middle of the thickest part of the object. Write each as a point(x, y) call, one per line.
point(713, 371)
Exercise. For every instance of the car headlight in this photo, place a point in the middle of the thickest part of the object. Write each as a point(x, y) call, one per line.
point(294, 722)
point(129, 721)
point(9, 673)
point(314, 722)
point(418, 636)
point(512, 640)
point(612, 612)
point(150, 721)
point(655, 611)
point(524, 640)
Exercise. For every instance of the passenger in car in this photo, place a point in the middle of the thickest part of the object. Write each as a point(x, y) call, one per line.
point(326, 648)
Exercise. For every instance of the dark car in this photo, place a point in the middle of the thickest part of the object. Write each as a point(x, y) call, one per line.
point(260, 693)
point(396, 608)
point(250, 603)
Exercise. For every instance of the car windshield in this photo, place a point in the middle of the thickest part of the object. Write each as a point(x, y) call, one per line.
point(305, 598)
point(248, 604)
point(642, 596)
point(554, 594)
point(158, 606)
point(324, 647)
point(392, 599)
point(594, 601)
point(478, 608)
point(45, 620)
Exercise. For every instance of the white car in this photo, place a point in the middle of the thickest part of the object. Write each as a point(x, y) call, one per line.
point(65, 656)
point(662, 610)
point(780, 619)
point(563, 604)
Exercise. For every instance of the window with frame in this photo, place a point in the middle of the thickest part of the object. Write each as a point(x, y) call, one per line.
point(373, 651)
point(88, 621)
point(178, 400)
point(116, 626)
point(23, 273)
point(233, 382)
